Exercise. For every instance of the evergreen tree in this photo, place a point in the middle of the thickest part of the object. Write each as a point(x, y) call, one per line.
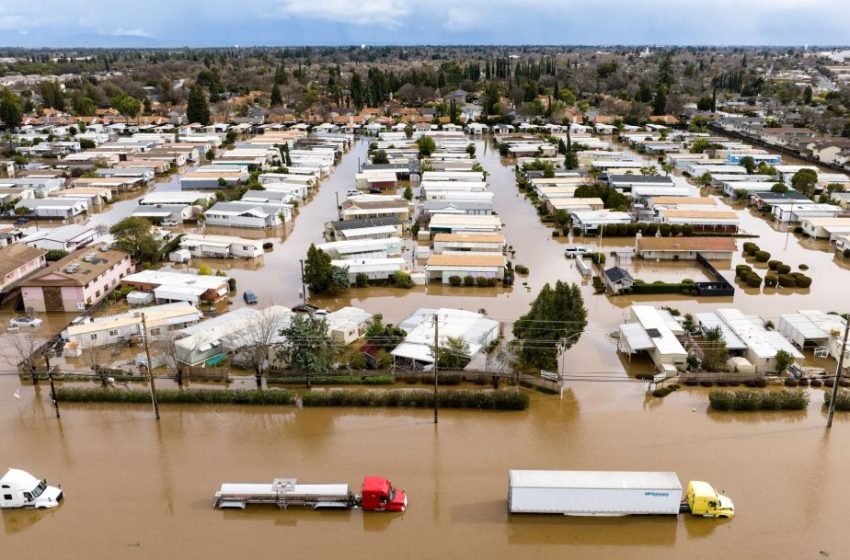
point(277, 98)
point(11, 112)
point(197, 108)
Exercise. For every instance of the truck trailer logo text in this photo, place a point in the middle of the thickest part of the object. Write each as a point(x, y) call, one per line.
point(657, 494)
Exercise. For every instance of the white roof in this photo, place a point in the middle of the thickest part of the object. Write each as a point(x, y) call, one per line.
point(661, 328)
point(170, 278)
point(595, 479)
point(813, 324)
point(473, 328)
point(750, 329)
point(711, 321)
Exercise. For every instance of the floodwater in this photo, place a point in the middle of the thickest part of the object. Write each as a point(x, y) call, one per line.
point(140, 489)
point(135, 488)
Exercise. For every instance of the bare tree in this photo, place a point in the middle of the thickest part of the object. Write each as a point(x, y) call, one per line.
point(255, 341)
point(167, 349)
point(24, 353)
point(100, 359)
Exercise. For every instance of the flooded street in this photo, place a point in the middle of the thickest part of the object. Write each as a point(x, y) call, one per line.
point(139, 489)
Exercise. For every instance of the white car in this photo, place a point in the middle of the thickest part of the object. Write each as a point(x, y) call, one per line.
point(576, 251)
point(32, 322)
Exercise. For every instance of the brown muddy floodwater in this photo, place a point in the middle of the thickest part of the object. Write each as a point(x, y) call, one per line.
point(140, 489)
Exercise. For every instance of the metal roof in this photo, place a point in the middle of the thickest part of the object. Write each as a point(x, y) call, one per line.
point(595, 479)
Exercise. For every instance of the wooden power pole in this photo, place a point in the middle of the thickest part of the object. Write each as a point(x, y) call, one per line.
point(150, 366)
point(436, 360)
point(843, 350)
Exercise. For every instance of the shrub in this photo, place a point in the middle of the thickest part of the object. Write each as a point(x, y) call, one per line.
point(742, 270)
point(803, 267)
point(787, 281)
point(455, 280)
point(665, 230)
point(419, 398)
point(783, 269)
point(773, 264)
point(816, 383)
point(662, 391)
point(468, 281)
point(598, 285)
point(803, 281)
point(481, 281)
point(758, 400)
point(770, 281)
point(181, 396)
point(762, 256)
point(750, 248)
point(54, 255)
point(791, 382)
point(521, 269)
point(597, 258)
point(846, 253)
point(842, 400)
point(402, 279)
point(361, 280)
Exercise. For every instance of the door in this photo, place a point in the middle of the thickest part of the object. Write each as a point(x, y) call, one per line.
point(53, 298)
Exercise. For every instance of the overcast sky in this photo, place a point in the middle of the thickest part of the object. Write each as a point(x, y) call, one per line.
point(110, 23)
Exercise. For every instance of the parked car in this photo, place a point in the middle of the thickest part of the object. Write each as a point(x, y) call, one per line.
point(576, 251)
point(250, 297)
point(32, 322)
point(21, 221)
point(353, 192)
point(170, 223)
point(312, 309)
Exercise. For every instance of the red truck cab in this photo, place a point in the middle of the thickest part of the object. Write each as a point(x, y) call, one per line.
point(378, 494)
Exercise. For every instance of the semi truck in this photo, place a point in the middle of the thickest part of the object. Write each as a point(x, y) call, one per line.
point(612, 493)
point(376, 494)
point(20, 489)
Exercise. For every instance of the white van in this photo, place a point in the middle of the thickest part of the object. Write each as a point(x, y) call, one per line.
point(20, 489)
point(576, 251)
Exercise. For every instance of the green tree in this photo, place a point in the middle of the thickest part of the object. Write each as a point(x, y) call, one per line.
point(383, 335)
point(408, 193)
point(127, 106)
point(783, 360)
point(197, 108)
point(780, 188)
point(11, 110)
point(135, 235)
point(659, 102)
point(277, 98)
point(714, 351)
point(748, 163)
point(51, 95)
point(453, 353)
point(426, 145)
point(554, 323)
point(380, 157)
point(805, 181)
point(307, 348)
point(320, 275)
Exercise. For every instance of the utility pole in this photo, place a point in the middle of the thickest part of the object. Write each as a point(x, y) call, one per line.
point(150, 366)
point(436, 360)
point(843, 350)
point(52, 387)
point(303, 285)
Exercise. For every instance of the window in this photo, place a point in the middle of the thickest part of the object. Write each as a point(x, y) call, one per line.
point(113, 332)
point(93, 337)
point(156, 332)
point(7, 496)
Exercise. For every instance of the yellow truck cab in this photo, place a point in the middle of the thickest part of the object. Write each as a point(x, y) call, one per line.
point(704, 500)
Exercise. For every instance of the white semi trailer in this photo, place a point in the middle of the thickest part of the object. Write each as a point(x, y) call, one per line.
point(611, 493)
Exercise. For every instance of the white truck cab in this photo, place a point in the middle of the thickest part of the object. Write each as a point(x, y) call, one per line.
point(20, 489)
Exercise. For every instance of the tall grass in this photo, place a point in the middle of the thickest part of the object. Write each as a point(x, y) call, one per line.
point(758, 400)
point(177, 396)
point(419, 398)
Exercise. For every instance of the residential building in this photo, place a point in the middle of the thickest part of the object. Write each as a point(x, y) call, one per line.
point(374, 268)
point(363, 248)
point(18, 261)
point(390, 207)
point(58, 208)
point(701, 220)
point(469, 242)
point(618, 280)
point(656, 332)
point(416, 352)
point(444, 266)
point(76, 281)
point(241, 215)
point(221, 246)
point(825, 228)
point(451, 223)
point(795, 213)
point(169, 286)
point(121, 328)
point(377, 228)
point(685, 248)
point(591, 220)
point(65, 238)
point(348, 324)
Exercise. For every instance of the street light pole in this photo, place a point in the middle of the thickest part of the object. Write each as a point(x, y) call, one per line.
point(150, 367)
point(436, 360)
point(843, 350)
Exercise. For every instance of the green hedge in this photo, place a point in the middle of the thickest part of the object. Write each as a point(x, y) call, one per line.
point(333, 380)
point(842, 400)
point(758, 400)
point(187, 396)
point(659, 288)
point(419, 398)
